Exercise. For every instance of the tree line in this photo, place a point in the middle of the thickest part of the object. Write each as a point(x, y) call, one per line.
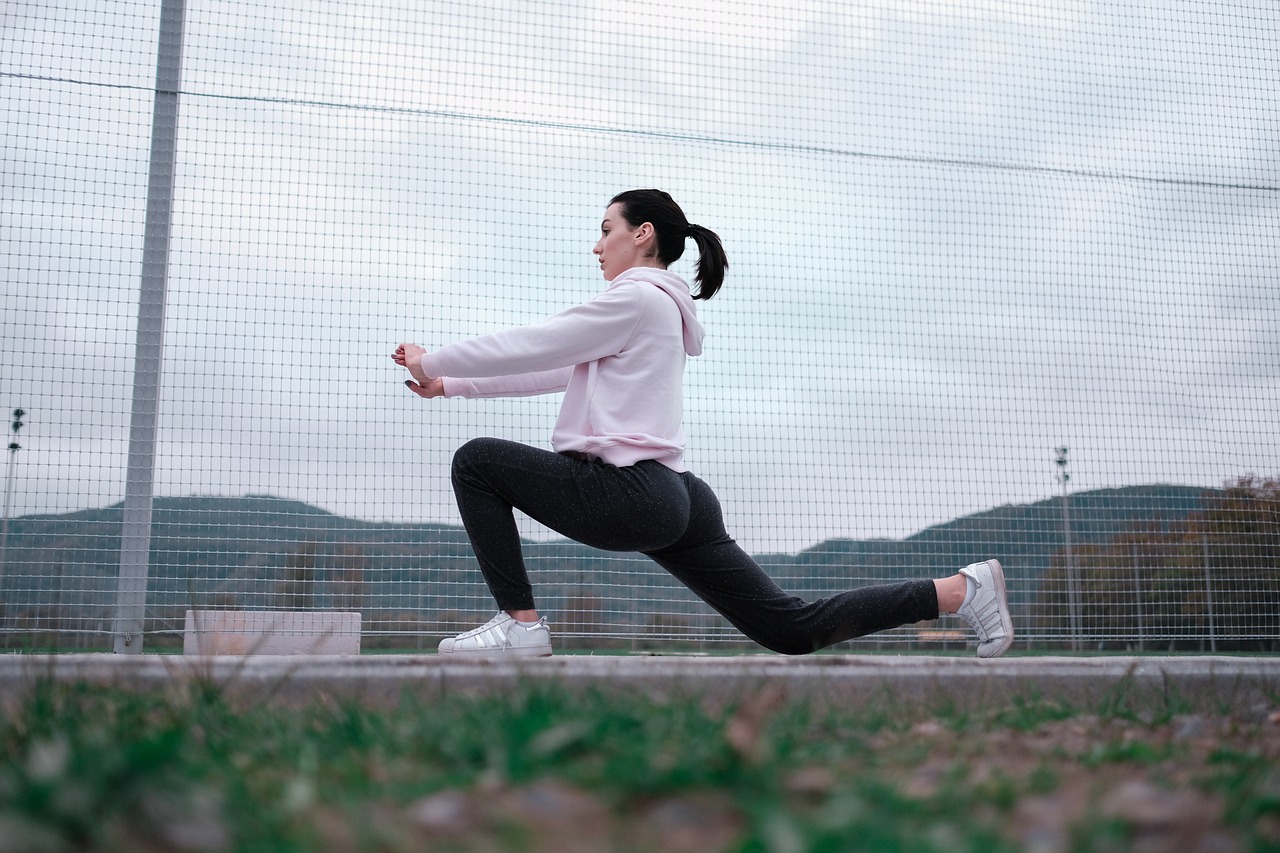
point(1209, 581)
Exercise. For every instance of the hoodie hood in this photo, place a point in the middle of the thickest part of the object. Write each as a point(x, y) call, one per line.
point(675, 287)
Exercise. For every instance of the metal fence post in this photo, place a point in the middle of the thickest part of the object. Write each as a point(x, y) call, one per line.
point(135, 541)
point(14, 447)
point(1208, 598)
point(1073, 578)
point(1137, 594)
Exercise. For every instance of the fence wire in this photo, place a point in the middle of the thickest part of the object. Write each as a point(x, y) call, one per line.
point(1004, 283)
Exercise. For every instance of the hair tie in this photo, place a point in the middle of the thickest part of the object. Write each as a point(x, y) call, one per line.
point(689, 231)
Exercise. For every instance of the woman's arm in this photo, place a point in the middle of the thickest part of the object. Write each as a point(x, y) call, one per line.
point(587, 332)
point(526, 360)
point(517, 385)
point(409, 356)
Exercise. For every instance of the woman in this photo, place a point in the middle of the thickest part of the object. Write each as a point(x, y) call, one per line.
point(616, 479)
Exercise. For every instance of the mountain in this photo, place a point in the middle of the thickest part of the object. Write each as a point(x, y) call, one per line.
point(1024, 537)
point(270, 552)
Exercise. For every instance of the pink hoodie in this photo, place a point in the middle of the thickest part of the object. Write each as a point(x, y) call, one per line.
point(619, 359)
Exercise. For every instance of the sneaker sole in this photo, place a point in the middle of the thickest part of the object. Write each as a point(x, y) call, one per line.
point(518, 652)
point(997, 577)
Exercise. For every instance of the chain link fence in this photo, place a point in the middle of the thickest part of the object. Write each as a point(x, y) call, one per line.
point(1003, 283)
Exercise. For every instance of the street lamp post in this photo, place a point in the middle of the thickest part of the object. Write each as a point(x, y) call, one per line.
point(1073, 582)
point(14, 447)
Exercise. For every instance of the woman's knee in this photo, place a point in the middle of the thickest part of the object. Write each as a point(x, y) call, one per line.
point(477, 448)
point(475, 451)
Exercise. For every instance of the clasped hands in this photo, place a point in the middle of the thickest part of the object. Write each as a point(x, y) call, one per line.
point(409, 356)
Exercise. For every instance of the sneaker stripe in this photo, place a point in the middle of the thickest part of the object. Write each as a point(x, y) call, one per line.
point(987, 609)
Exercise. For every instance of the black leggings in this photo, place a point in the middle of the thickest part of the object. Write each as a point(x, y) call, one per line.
point(674, 519)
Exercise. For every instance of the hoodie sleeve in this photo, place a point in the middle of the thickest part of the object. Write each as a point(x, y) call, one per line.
point(516, 385)
point(587, 332)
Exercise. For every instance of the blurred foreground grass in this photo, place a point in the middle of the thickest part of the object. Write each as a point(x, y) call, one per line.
point(192, 768)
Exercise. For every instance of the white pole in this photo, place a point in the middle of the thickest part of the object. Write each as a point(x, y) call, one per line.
point(135, 541)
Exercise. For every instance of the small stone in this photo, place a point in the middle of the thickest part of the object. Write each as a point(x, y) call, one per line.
point(1190, 727)
point(447, 813)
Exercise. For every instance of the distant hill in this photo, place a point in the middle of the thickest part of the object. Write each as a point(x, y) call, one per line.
point(213, 551)
point(1024, 537)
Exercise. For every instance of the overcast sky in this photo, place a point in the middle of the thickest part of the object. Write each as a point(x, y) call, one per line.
point(961, 234)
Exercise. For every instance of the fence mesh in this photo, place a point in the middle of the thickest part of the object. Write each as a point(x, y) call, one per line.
point(1003, 284)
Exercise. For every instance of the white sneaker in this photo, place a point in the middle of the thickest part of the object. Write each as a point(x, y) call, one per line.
point(987, 610)
point(502, 635)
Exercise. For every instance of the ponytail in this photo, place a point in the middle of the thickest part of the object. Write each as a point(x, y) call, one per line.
point(671, 229)
point(711, 264)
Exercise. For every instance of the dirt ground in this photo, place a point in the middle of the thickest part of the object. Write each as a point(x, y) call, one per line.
point(1197, 783)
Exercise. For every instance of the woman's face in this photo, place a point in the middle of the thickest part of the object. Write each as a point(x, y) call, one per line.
point(622, 247)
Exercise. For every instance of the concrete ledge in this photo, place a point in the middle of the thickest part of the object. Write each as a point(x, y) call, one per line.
point(1206, 683)
point(271, 632)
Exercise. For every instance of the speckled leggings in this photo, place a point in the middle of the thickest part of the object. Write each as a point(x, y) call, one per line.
point(673, 518)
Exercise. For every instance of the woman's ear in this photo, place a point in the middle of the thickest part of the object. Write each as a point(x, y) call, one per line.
point(644, 234)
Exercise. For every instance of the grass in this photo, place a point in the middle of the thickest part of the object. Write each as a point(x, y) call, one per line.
point(192, 768)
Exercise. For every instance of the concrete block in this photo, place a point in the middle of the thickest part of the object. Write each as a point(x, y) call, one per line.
point(271, 632)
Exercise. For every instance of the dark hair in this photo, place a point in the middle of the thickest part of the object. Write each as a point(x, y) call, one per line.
point(670, 230)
